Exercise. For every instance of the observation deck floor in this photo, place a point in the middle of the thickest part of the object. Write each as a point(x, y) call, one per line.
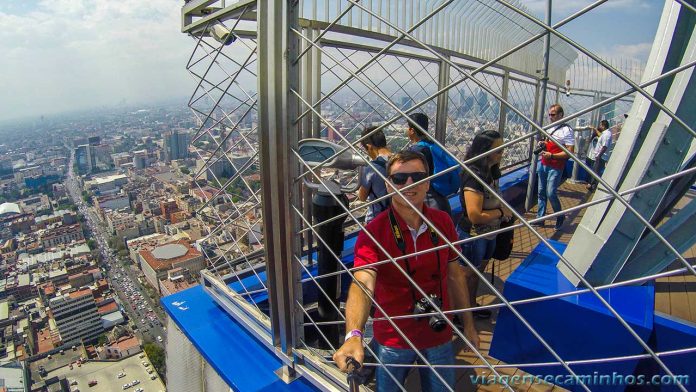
point(675, 295)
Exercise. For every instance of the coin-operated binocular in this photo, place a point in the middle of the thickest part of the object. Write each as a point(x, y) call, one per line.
point(328, 202)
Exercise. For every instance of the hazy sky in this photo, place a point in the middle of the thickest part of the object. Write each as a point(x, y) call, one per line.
point(60, 55)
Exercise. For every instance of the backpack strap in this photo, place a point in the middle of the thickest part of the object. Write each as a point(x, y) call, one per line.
point(381, 162)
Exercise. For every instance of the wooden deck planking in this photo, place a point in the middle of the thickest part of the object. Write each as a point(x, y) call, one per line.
point(690, 288)
point(674, 295)
point(678, 297)
point(662, 299)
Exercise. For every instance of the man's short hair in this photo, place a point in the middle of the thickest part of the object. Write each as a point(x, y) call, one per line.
point(406, 156)
point(420, 119)
point(605, 124)
point(377, 138)
point(558, 108)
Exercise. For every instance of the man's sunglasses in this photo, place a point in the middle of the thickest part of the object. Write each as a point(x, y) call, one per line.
point(401, 178)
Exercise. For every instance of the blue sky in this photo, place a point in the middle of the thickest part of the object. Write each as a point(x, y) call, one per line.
point(61, 55)
point(616, 28)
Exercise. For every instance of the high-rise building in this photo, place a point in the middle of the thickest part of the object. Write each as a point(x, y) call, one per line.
point(176, 145)
point(85, 159)
point(76, 316)
point(140, 159)
point(406, 103)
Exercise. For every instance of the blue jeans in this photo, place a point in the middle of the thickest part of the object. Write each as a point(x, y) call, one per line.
point(438, 355)
point(549, 180)
point(476, 251)
point(597, 166)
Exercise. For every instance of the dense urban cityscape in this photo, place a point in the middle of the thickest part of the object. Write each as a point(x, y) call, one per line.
point(103, 213)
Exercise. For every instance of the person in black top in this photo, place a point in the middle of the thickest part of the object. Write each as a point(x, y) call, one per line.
point(482, 211)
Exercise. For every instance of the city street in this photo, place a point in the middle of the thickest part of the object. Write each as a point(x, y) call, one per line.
point(144, 312)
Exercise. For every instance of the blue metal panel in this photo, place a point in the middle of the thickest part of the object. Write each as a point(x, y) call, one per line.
point(674, 334)
point(240, 360)
point(586, 331)
point(252, 282)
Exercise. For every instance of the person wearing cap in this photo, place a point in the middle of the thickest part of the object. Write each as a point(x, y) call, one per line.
point(417, 135)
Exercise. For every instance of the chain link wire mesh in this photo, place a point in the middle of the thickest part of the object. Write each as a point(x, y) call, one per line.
point(378, 81)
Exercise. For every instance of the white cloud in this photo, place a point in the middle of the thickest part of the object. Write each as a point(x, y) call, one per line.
point(636, 51)
point(70, 54)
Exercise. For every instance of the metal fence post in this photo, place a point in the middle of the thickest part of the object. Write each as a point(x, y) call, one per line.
point(502, 113)
point(443, 80)
point(531, 186)
point(278, 133)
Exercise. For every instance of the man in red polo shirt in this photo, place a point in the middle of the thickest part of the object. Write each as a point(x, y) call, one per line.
point(401, 231)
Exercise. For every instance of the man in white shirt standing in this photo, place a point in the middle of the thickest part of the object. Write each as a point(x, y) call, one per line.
point(598, 155)
point(553, 160)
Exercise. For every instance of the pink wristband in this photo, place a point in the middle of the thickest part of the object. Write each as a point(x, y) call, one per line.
point(353, 333)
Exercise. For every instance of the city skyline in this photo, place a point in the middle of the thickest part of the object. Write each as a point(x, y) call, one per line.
point(73, 55)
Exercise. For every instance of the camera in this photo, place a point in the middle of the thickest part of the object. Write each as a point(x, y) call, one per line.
point(422, 306)
point(540, 148)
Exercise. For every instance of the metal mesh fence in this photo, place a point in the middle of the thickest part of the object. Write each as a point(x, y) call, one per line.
point(406, 280)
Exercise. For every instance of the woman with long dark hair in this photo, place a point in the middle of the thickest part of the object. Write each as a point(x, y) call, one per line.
point(482, 211)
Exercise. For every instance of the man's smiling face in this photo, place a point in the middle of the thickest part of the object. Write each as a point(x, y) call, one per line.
point(411, 168)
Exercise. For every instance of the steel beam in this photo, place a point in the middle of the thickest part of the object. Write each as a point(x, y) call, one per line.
point(651, 256)
point(443, 79)
point(278, 133)
point(652, 145)
point(541, 111)
point(502, 113)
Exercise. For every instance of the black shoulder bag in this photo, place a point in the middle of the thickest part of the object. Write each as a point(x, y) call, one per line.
point(504, 241)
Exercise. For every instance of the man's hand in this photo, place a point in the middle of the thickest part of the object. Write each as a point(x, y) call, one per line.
point(352, 348)
point(507, 213)
point(472, 335)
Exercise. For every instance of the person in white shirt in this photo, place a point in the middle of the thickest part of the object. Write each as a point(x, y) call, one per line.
point(553, 160)
point(598, 155)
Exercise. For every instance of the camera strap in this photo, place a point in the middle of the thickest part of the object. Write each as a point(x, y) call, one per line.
point(559, 126)
point(401, 244)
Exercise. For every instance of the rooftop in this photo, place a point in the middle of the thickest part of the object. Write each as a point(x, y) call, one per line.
point(106, 179)
point(176, 286)
point(9, 208)
point(169, 251)
point(126, 342)
point(106, 372)
point(175, 257)
point(4, 310)
point(107, 308)
point(80, 293)
point(44, 341)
